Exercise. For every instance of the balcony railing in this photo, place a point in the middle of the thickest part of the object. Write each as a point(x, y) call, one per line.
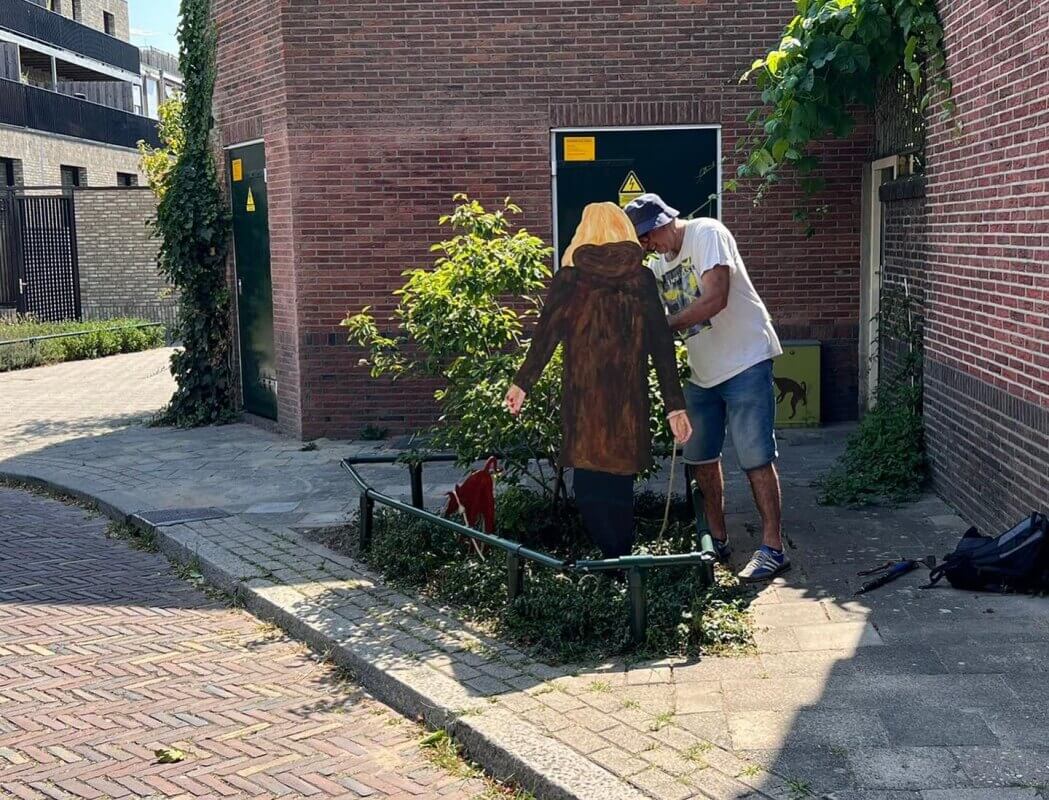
point(45, 26)
point(31, 107)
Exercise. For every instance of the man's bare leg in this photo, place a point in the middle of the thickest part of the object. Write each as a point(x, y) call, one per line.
point(764, 483)
point(712, 483)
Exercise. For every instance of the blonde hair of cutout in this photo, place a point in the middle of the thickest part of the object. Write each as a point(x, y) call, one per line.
point(602, 223)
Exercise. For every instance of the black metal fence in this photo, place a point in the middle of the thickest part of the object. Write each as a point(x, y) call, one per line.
point(635, 566)
point(43, 110)
point(10, 251)
point(38, 23)
point(49, 258)
point(38, 256)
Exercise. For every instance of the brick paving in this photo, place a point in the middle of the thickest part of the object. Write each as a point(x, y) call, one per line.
point(107, 655)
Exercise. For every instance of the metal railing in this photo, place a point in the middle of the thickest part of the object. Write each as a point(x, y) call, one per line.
point(43, 110)
point(635, 566)
point(47, 27)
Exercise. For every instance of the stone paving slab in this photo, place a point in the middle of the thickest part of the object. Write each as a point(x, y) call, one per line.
point(835, 667)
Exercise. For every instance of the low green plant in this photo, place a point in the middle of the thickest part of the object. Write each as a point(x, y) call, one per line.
point(97, 340)
point(564, 616)
point(373, 433)
point(885, 458)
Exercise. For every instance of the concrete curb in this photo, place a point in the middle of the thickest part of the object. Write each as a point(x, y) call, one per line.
point(507, 747)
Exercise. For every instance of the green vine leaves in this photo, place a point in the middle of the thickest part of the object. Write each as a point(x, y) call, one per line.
point(832, 57)
point(193, 224)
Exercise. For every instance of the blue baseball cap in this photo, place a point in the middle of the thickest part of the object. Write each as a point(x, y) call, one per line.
point(649, 212)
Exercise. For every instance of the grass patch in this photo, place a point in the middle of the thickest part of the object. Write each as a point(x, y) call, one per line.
point(566, 617)
point(96, 342)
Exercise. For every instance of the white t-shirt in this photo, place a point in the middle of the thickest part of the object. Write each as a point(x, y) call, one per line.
point(741, 334)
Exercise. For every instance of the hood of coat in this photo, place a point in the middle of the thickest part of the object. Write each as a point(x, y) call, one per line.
point(619, 261)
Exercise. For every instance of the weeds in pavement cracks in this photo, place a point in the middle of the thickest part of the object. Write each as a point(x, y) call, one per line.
point(798, 790)
point(443, 752)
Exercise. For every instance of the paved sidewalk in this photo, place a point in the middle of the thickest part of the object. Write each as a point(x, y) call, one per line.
point(903, 695)
point(106, 655)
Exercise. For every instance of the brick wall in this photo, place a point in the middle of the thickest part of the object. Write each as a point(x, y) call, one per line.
point(987, 248)
point(438, 97)
point(118, 256)
point(250, 96)
point(41, 156)
point(905, 246)
point(91, 14)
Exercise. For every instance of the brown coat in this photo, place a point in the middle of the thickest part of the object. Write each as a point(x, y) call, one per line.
point(606, 311)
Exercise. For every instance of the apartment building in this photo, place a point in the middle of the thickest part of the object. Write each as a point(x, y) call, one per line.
point(72, 100)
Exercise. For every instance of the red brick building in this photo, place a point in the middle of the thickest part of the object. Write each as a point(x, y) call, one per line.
point(373, 115)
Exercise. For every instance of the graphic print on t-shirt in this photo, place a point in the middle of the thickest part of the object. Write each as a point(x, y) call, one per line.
point(679, 288)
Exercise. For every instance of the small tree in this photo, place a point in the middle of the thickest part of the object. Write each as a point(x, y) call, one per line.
point(158, 162)
point(463, 322)
point(193, 224)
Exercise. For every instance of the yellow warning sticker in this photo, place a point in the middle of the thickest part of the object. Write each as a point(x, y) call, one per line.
point(580, 148)
point(631, 188)
point(251, 200)
point(238, 170)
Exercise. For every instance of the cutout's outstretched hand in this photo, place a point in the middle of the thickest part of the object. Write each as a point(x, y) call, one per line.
point(680, 426)
point(515, 398)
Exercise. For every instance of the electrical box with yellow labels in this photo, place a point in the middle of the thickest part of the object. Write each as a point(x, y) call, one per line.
point(796, 378)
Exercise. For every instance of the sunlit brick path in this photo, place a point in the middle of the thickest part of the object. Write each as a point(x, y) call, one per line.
point(106, 655)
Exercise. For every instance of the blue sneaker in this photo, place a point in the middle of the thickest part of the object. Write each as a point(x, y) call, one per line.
point(765, 565)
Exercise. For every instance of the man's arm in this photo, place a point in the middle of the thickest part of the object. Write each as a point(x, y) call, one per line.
point(713, 299)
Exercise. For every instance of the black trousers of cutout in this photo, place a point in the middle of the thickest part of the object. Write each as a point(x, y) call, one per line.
point(606, 502)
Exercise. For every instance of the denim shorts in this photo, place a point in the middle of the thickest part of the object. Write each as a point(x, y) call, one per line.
point(746, 404)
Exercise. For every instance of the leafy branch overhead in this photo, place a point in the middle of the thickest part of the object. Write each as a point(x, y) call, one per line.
point(831, 59)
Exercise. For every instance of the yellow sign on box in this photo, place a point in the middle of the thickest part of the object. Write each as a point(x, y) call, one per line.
point(580, 148)
point(796, 376)
point(631, 188)
point(238, 170)
point(251, 201)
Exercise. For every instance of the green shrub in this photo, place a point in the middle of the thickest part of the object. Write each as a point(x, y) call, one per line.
point(885, 457)
point(97, 342)
point(566, 616)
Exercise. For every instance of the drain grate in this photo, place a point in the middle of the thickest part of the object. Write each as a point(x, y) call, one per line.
point(180, 516)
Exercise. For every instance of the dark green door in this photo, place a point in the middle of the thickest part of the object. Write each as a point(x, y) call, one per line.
point(251, 237)
point(679, 164)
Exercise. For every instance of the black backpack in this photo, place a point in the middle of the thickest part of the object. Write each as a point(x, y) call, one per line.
point(1017, 560)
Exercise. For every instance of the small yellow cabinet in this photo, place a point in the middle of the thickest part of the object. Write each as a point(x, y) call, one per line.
point(796, 374)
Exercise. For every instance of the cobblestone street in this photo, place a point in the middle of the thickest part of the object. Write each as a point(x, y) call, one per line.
point(106, 655)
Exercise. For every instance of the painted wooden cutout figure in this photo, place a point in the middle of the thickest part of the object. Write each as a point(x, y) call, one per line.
point(474, 499)
point(604, 307)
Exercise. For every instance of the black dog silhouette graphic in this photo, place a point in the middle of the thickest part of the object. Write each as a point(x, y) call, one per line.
point(797, 392)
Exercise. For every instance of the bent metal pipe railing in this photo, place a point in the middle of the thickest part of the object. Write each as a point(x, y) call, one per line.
point(635, 566)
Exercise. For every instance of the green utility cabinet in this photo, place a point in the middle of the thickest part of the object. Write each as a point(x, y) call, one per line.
point(796, 374)
point(251, 243)
point(618, 164)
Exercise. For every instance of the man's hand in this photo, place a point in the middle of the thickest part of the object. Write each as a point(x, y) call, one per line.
point(515, 398)
point(680, 426)
point(713, 299)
